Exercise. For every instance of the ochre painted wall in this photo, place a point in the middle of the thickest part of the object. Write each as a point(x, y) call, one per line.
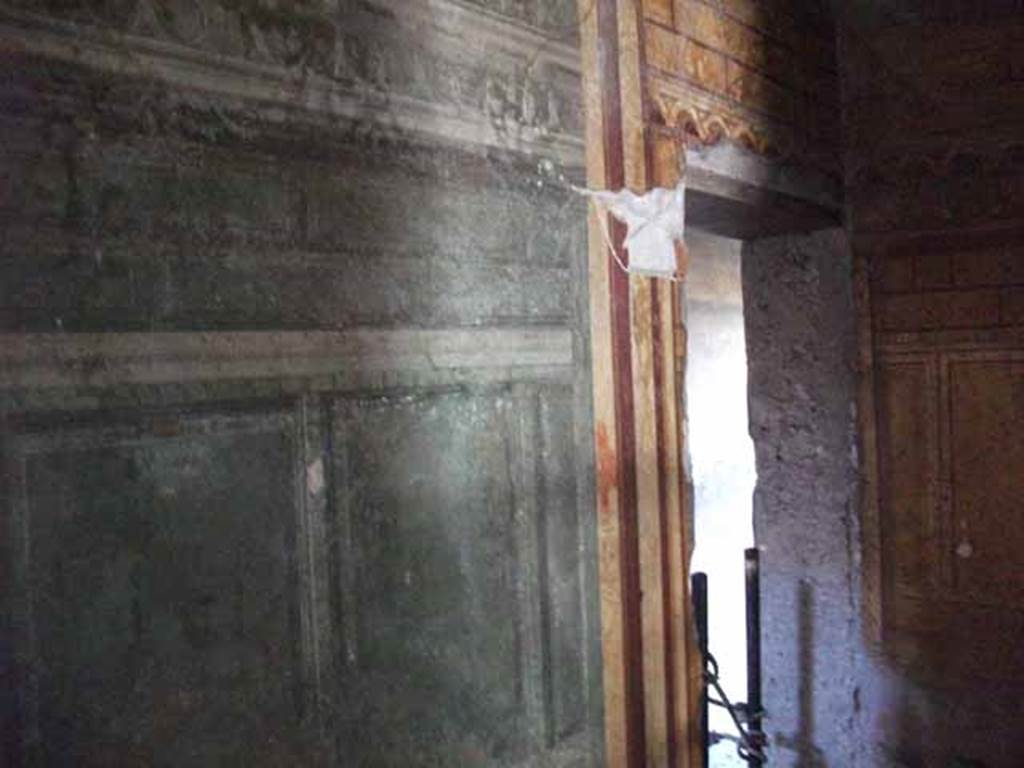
point(935, 171)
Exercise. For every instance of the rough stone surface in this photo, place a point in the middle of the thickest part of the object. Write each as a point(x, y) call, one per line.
point(800, 351)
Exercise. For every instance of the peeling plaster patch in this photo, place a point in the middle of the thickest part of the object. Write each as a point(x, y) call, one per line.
point(315, 477)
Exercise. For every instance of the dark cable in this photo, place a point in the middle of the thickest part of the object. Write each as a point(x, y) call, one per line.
point(747, 746)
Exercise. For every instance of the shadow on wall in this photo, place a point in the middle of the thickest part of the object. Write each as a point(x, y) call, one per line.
point(929, 712)
point(809, 755)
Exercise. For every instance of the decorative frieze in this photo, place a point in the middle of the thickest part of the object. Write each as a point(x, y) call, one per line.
point(733, 151)
point(438, 67)
point(706, 127)
point(556, 17)
point(304, 33)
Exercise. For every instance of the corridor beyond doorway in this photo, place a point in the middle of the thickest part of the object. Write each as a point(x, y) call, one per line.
point(721, 456)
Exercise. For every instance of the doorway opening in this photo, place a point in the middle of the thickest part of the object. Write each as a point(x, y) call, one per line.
point(721, 458)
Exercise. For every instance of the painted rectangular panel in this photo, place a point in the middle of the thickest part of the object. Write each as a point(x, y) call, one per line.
point(712, 28)
point(797, 25)
point(157, 593)
point(908, 452)
point(1011, 306)
point(681, 57)
point(933, 271)
point(894, 274)
point(938, 310)
point(759, 93)
point(987, 451)
point(995, 266)
point(460, 592)
point(785, 46)
point(659, 10)
point(430, 508)
point(560, 534)
point(718, 31)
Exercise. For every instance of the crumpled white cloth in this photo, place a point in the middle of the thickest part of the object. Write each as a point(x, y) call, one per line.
point(654, 221)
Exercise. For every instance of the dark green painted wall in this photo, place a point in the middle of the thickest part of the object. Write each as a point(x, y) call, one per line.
point(295, 387)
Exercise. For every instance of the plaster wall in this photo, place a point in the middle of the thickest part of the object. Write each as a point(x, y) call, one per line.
point(294, 386)
point(934, 106)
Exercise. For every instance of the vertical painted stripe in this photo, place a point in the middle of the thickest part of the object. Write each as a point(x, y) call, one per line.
point(622, 372)
point(612, 402)
point(643, 530)
point(646, 411)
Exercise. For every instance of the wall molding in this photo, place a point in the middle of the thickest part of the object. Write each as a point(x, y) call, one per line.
point(44, 360)
point(921, 164)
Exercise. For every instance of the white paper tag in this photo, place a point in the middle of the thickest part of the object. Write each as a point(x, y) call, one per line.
point(654, 222)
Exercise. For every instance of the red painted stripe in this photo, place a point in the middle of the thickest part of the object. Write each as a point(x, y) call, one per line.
point(666, 593)
point(657, 346)
point(622, 387)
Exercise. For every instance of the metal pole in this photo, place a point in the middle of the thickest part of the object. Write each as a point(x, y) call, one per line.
point(699, 595)
point(752, 561)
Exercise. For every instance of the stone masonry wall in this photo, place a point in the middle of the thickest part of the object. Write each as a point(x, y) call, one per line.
point(800, 351)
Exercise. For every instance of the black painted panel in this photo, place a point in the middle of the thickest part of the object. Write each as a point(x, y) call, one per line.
point(161, 581)
point(427, 493)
